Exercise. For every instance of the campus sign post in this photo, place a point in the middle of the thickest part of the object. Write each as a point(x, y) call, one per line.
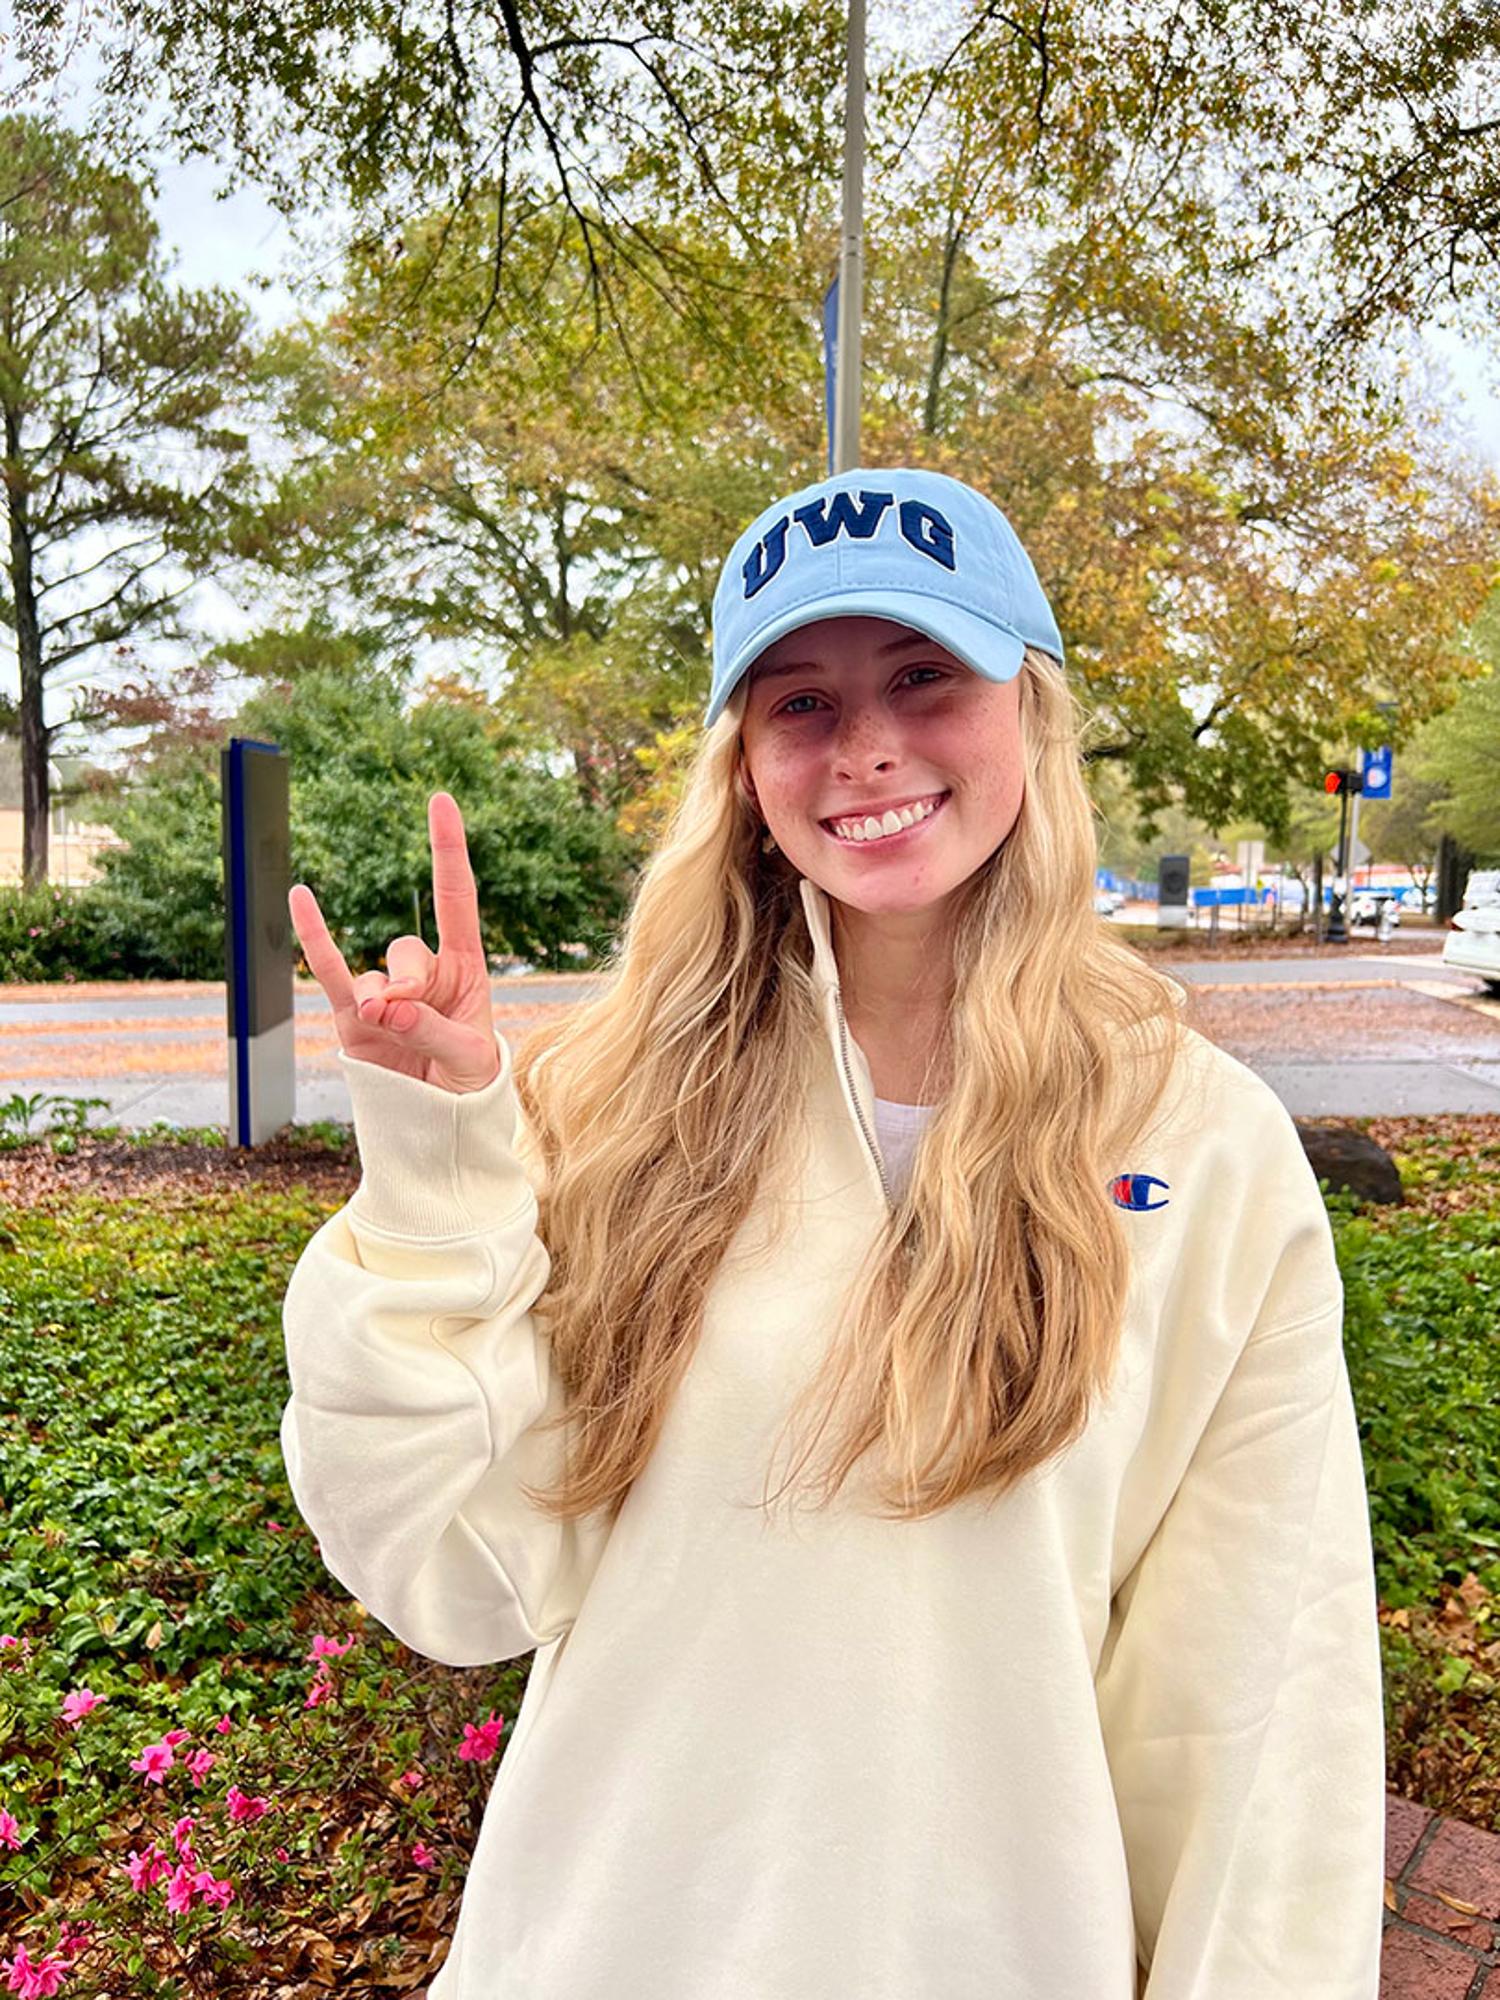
point(258, 954)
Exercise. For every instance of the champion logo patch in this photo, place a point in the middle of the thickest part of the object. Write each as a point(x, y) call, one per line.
point(1135, 1190)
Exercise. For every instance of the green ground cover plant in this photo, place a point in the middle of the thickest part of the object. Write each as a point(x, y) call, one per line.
point(218, 1775)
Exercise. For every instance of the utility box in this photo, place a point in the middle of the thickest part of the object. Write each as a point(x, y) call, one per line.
point(1172, 892)
point(259, 959)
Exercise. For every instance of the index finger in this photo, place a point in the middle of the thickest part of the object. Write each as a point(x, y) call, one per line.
point(324, 959)
point(455, 901)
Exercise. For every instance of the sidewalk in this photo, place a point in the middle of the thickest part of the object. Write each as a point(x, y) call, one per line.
point(1442, 1893)
point(1350, 1040)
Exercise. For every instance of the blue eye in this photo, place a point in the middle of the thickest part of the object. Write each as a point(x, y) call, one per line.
point(789, 707)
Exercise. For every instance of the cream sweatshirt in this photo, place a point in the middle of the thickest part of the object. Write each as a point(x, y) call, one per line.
point(1120, 1733)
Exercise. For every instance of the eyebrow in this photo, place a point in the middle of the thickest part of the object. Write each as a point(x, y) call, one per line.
point(907, 641)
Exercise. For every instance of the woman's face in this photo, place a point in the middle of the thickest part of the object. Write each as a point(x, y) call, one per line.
point(851, 718)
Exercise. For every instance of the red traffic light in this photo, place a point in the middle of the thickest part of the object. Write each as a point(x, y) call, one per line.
point(1333, 781)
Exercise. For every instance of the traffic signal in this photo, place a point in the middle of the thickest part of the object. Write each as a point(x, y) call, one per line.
point(1342, 781)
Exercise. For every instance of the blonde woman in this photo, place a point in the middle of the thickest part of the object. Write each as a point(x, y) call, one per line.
point(1045, 1665)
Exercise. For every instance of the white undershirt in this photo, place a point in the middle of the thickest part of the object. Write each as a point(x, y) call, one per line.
point(898, 1127)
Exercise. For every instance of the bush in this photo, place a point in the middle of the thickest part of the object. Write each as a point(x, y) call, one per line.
point(57, 934)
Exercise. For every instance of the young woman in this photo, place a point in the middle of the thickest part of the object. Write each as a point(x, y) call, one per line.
point(1056, 1677)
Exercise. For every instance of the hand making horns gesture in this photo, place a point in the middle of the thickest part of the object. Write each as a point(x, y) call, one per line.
point(430, 1016)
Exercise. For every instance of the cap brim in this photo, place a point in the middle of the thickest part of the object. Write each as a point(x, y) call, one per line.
point(993, 651)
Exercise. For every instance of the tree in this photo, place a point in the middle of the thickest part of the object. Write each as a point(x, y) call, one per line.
point(1460, 750)
point(122, 465)
point(1407, 827)
point(1351, 153)
point(616, 123)
point(560, 510)
point(364, 760)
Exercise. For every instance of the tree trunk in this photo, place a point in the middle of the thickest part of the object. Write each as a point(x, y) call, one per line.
point(930, 403)
point(34, 736)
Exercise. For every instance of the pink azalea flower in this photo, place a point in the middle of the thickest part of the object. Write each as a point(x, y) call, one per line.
point(10, 1830)
point(414, 1778)
point(243, 1808)
point(145, 1870)
point(221, 1894)
point(155, 1761)
point(320, 1689)
point(182, 1836)
point(324, 1648)
point(33, 1979)
point(77, 1705)
point(274, 1527)
point(282, 1855)
point(223, 1725)
point(14, 1652)
point(479, 1744)
point(176, 1736)
point(423, 1855)
point(75, 1936)
point(180, 1889)
point(200, 1764)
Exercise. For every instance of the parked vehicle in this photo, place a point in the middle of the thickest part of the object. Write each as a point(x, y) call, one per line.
point(1368, 906)
point(1473, 944)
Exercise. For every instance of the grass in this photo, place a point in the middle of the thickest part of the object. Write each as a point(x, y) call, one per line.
point(152, 1556)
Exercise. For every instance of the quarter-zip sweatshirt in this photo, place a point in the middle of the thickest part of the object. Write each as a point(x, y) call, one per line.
point(1120, 1733)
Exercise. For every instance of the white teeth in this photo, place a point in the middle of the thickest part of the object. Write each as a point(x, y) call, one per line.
point(871, 828)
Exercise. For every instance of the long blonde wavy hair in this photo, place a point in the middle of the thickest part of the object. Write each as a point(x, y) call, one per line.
point(988, 1316)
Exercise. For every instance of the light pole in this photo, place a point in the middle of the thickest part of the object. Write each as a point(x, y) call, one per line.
point(852, 252)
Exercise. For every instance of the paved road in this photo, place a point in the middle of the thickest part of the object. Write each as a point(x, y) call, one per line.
point(1386, 1031)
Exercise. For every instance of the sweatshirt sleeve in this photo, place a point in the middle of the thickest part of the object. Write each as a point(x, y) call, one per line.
point(1240, 1695)
point(418, 1373)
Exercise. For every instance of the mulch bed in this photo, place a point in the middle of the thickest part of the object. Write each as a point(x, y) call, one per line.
point(32, 1176)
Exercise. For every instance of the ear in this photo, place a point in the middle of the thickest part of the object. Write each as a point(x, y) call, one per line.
point(746, 783)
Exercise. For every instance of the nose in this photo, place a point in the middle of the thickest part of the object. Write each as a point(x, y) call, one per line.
point(865, 739)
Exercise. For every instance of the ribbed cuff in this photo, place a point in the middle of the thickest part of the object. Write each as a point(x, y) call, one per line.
point(434, 1162)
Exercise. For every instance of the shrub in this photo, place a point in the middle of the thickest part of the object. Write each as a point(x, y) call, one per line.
point(61, 934)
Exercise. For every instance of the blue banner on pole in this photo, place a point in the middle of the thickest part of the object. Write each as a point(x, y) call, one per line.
point(1376, 773)
point(831, 360)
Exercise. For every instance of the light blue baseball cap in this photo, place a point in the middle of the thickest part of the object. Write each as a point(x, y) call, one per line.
point(917, 547)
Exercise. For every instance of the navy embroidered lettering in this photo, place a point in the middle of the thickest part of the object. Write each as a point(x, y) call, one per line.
point(766, 558)
point(925, 528)
point(825, 520)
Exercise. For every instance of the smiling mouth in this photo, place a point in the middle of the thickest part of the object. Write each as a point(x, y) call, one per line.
point(887, 830)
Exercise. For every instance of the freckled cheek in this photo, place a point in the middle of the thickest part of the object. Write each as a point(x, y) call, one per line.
point(789, 784)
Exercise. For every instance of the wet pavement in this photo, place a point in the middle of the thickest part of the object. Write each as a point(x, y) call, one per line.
point(1352, 1033)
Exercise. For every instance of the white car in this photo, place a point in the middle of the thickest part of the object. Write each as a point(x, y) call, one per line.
point(1473, 945)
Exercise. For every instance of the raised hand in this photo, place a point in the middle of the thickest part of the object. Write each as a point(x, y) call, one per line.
point(429, 1015)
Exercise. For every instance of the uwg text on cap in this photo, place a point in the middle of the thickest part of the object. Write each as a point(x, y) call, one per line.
point(917, 547)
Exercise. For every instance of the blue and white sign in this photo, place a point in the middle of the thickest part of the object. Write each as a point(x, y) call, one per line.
point(1375, 770)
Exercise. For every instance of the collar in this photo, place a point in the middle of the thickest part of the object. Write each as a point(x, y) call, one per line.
point(855, 1081)
point(815, 907)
